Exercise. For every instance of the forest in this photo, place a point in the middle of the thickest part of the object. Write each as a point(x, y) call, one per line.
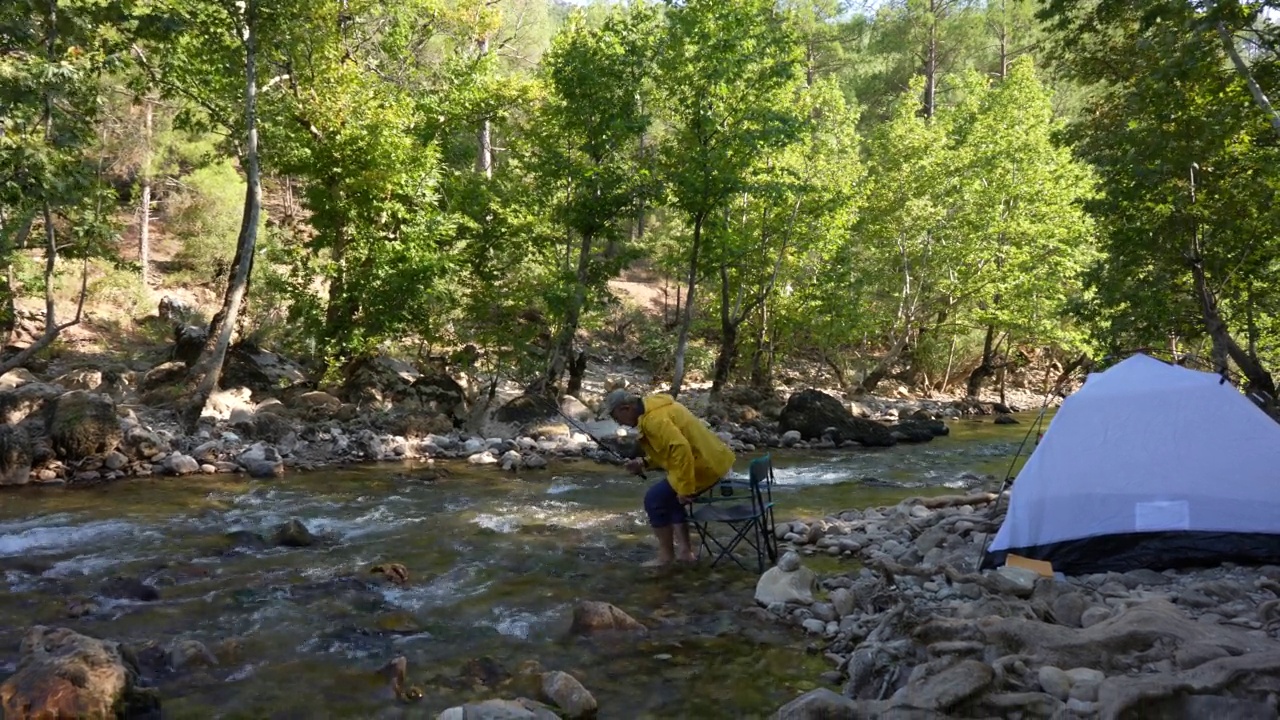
point(922, 191)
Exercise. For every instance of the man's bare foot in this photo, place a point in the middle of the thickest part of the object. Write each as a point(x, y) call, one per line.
point(656, 563)
point(689, 557)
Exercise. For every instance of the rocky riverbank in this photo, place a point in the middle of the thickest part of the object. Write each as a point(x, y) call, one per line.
point(914, 630)
point(87, 426)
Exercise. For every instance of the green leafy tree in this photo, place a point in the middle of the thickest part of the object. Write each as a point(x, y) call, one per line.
point(55, 54)
point(726, 74)
point(585, 137)
point(1186, 163)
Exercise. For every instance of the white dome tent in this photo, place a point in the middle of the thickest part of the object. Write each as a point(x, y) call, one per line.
point(1148, 465)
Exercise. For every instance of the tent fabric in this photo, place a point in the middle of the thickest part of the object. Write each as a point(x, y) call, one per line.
point(1148, 465)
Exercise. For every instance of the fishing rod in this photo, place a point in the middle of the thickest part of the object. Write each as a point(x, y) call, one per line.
point(581, 425)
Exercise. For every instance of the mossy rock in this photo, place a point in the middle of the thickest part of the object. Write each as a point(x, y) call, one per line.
point(84, 424)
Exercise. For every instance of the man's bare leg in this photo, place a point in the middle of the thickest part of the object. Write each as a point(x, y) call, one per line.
point(684, 546)
point(666, 548)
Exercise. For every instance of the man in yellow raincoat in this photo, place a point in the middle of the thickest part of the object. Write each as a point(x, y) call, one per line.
point(674, 439)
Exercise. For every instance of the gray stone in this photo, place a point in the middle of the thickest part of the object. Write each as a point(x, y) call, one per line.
point(1055, 681)
point(948, 688)
point(820, 704)
point(1016, 581)
point(843, 601)
point(1196, 654)
point(931, 538)
point(565, 692)
point(115, 460)
point(814, 625)
point(789, 562)
point(777, 585)
point(179, 464)
point(1068, 609)
point(1086, 675)
point(1093, 616)
point(824, 612)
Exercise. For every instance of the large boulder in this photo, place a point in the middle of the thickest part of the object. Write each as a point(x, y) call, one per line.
point(84, 424)
point(63, 674)
point(917, 430)
point(373, 379)
point(813, 413)
point(15, 456)
point(16, 378)
point(527, 409)
point(439, 394)
point(188, 342)
point(29, 399)
point(261, 371)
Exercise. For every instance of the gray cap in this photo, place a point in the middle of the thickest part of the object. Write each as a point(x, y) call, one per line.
point(614, 399)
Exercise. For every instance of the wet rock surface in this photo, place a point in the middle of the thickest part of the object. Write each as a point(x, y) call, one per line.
point(63, 674)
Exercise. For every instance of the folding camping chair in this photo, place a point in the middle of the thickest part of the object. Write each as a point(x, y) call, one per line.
point(745, 508)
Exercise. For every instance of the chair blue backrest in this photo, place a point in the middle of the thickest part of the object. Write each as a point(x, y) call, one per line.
point(760, 475)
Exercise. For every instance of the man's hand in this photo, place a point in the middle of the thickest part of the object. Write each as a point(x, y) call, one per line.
point(686, 499)
point(635, 466)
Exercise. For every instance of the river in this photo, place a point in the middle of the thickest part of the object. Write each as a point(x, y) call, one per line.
point(496, 564)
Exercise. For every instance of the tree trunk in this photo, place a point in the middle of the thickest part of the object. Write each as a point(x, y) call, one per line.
point(484, 153)
point(929, 100)
point(1259, 97)
point(144, 226)
point(986, 368)
point(562, 351)
point(577, 370)
point(204, 375)
point(682, 341)
point(759, 371)
point(1259, 381)
point(728, 338)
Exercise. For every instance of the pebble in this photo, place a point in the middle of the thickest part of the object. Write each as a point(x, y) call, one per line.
point(814, 626)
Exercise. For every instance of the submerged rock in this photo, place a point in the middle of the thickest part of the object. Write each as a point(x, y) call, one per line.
point(519, 709)
point(590, 617)
point(294, 534)
point(565, 692)
point(63, 674)
point(818, 704)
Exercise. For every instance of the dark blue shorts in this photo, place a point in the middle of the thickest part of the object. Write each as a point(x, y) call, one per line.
point(663, 505)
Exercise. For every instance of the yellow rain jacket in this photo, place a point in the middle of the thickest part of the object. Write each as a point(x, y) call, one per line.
point(673, 439)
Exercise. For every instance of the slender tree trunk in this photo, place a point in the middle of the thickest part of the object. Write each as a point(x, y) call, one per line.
point(562, 351)
point(204, 375)
point(577, 371)
point(686, 322)
point(1258, 379)
point(484, 153)
point(144, 226)
point(986, 368)
point(951, 359)
point(9, 283)
point(728, 338)
point(759, 373)
point(929, 101)
point(1259, 97)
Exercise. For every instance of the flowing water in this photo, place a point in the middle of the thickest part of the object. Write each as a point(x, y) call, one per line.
point(496, 564)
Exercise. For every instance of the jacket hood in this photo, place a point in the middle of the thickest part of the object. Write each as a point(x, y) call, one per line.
point(657, 402)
